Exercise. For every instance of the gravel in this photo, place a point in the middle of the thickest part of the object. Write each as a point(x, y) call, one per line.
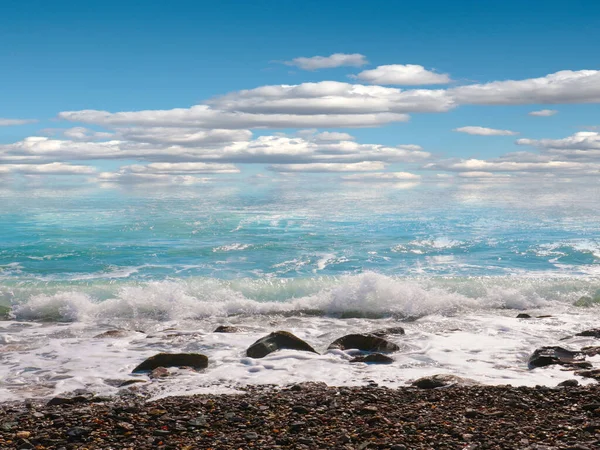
point(315, 416)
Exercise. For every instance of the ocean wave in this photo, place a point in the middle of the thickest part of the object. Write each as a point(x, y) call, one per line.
point(365, 295)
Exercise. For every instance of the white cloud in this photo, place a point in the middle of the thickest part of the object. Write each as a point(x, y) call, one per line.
point(13, 122)
point(328, 62)
point(182, 168)
point(203, 116)
point(404, 75)
point(482, 131)
point(328, 136)
point(566, 86)
point(543, 113)
point(382, 176)
point(584, 145)
point(364, 166)
point(55, 168)
point(333, 97)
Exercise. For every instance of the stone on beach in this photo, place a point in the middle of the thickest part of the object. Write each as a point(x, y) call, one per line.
point(227, 329)
point(193, 360)
point(442, 380)
point(545, 356)
point(594, 332)
point(373, 358)
point(387, 331)
point(277, 340)
point(364, 342)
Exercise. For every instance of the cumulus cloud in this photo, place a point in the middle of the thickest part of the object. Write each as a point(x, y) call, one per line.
point(404, 75)
point(364, 166)
point(333, 97)
point(55, 168)
point(13, 122)
point(566, 86)
point(483, 131)
point(584, 145)
point(328, 62)
point(543, 113)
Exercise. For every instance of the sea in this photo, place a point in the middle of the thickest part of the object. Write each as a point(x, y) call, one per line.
point(453, 264)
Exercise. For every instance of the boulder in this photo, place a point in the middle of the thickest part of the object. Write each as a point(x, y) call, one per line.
point(442, 380)
point(277, 340)
point(387, 331)
point(364, 342)
point(546, 356)
point(594, 332)
point(194, 360)
point(373, 358)
point(227, 329)
point(523, 316)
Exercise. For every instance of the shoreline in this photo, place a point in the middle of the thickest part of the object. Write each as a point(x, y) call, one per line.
point(316, 416)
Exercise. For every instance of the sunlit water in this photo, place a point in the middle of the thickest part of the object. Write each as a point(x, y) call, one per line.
point(452, 264)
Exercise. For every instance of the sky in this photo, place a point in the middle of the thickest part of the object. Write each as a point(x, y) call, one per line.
point(400, 93)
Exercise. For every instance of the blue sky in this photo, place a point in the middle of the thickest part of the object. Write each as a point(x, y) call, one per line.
point(123, 57)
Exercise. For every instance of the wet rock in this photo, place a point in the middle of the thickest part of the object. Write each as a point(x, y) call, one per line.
point(227, 329)
point(592, 373)
point(591, 351)
point(69, 400)
point(78, 433)
point(442, 380)
point(373, 358)
point(546, 356)
point(388, 332)
point(130, 382)
point(523, 316)
point(594, 332)
point(569, 383)
point(364, 342)
point(277, 340)
point(112, 334)
point(194, 360)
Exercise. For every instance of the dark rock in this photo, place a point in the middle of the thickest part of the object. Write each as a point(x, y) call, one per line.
point(546, 356)
point(78, 433)
point(569, 383)
point(227, 329)
point(110, 334)
point(591, 351)
point(442, 380)
point(364, 342)
point(194, 360)
point(594, 332)
point(277, 340)
point(68, 400)
point(130, 382)
point(300, 409)
point(373, 358)
point(592, 373)
point(388, 331)
point(523, 316)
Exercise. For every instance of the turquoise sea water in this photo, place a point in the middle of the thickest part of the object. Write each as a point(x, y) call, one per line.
point(453, 265)
point(278, 243)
